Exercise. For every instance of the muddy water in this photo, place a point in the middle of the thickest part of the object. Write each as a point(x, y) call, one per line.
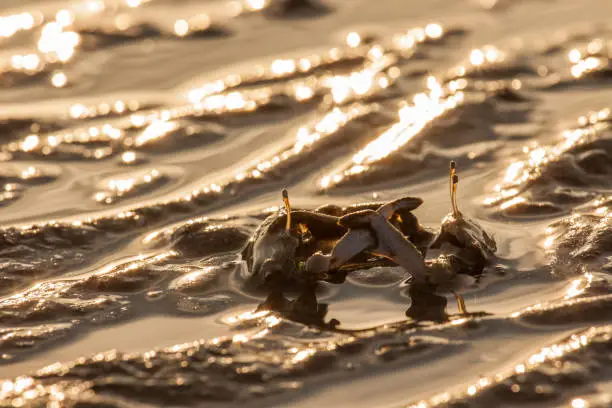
point(143, 142)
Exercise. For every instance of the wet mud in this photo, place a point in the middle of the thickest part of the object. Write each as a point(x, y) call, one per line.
point(144, 142)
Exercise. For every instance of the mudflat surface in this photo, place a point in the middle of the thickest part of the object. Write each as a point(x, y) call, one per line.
point(143, 142)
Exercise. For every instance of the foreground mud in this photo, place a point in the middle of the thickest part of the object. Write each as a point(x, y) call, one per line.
point(143, 142)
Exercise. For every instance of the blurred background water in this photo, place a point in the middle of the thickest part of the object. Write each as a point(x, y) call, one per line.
point(142, 142)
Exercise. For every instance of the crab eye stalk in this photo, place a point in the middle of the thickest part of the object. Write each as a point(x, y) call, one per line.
point(455, 181)
point(453, 167)
point(287, 208)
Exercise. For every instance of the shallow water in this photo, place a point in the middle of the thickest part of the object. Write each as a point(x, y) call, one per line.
point(144, 141)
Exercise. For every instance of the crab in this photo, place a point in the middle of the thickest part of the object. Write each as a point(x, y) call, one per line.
point(397, 212)
point(271, 252)
point(370, 231)
point(463, 236)
point(280, 249)
point(466, 249)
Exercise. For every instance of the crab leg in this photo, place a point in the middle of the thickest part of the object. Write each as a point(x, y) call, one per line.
point(391, 243)
point(351, 244)
point(460, 303)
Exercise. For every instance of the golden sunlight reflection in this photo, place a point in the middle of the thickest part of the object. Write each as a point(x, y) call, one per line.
point(514, 201)
point(579, 403)
point(487, 54)
point(78, 111)
point(360, 83)
point(282, 67)
point(434, 30)
point(128, 157)
point(59, 79)
point(579, 285)
point(233, 101)
point(407, 41)
point(549, 241)
point(441, 96)
point(196, 95)
point(26, 62)
point(64, 17)
point(377, 73)
point(158, 129)
point(48, 144)
point(12, 24)
point(594, 57)
point(574, 56)
point(198, 22)
point(90, 6)
point(30, 143)
point(181, 28)
point(303, 92)
point(303, 355)
point(413, 118)
point(121, 186)
point(255, 5)
point(477, 57)
point(353, 39)
point(328, 124)
point(30, 172)
point(135, 263)
point(307, 136)
point(596, 46)
point(267, 320)
point(236, 320)
point(585, 66)
point(519, 173)
point(56, 43)
point(134, 3)
point(550, 353)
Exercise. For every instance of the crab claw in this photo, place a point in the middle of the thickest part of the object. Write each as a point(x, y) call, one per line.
point(354, 242)
point(318, 265)
point(358, 219)
point(390, 242)
point(405, 203)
